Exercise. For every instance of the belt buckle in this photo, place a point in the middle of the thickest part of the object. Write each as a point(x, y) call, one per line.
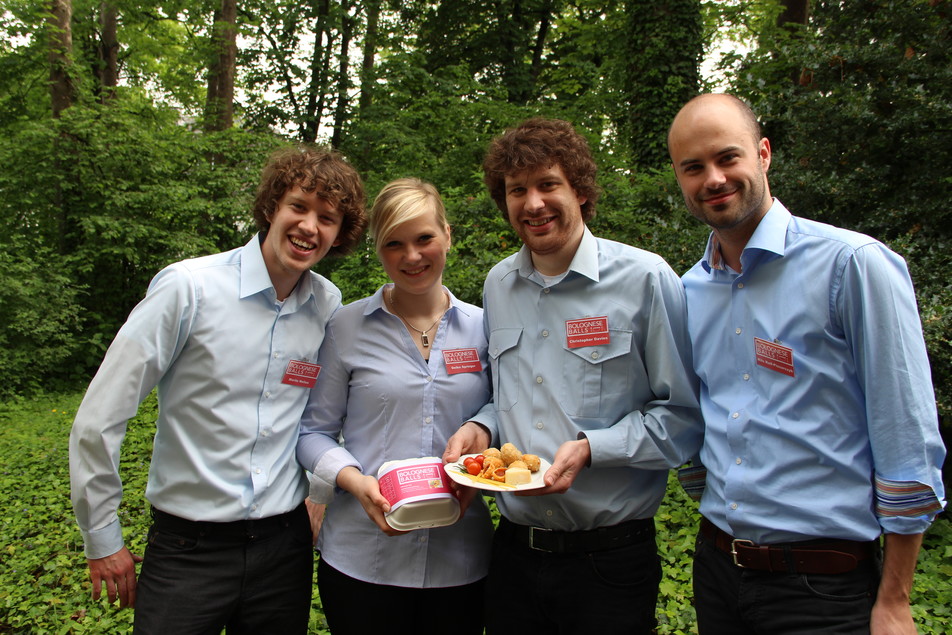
point(532, 532)
point(734, 543)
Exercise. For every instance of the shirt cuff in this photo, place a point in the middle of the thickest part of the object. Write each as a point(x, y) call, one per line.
point(333, 461)
point(102, 542)
point(320, 491)
point(905, 507)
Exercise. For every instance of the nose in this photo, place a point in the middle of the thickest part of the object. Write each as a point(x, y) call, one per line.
point(714, 178)
point(411, 253)
point(533, 200)
point(308, 223)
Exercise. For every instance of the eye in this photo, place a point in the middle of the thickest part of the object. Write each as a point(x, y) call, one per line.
point(517, 191)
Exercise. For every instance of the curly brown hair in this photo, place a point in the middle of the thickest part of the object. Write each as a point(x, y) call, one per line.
point(318, 170)
point(541, 143)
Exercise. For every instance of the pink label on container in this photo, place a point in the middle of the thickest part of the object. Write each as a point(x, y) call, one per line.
point(408, 483)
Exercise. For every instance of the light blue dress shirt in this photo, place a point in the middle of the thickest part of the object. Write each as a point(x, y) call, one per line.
point(634, 396)
point(217, 342)
point(389, 404)
point(815, 387)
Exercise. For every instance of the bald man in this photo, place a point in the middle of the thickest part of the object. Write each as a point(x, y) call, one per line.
point(821, 432)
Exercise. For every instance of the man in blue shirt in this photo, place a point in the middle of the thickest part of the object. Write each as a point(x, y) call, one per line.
point(230, 340)
point(821, 431)
point(590, 369)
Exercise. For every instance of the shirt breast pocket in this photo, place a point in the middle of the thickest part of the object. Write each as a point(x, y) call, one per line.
point(504, 360)
point(593, 374)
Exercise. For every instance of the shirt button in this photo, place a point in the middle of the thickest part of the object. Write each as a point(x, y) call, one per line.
point(733, 505)
point(740, 285)
point(275, 355)
point(546, 290)
point(267, 394)
point(595, 355)
point(735, 415)
point(548, 512)
point(265, 433)
point(422, 538)
point(545, 334)
point(538, 380)
point(428, 378)
point(257, 470)
point(737, 461)
point(539, 425)
point(428, 420)
point(738, 330)
point(254, 507)
point(746, 376)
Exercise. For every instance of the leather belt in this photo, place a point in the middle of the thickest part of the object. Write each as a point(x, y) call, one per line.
point(567, 542)
point(255, 529)
point(811, 556)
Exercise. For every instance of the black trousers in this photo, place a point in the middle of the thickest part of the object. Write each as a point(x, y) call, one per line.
point(730, 600)
point(355, 607)
point(607, 592)
point(248, 577)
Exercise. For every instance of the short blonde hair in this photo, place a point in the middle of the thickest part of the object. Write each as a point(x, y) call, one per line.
point(401, 201)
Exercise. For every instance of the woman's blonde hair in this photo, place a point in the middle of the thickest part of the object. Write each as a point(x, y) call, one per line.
point(401, 201)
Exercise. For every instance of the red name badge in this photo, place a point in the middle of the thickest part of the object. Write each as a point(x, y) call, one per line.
point(301, 374)
point(462, 360)
point(774, 356)
point(591, 331)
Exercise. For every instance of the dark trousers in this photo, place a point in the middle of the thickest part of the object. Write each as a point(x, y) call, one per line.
point(730, 600)
point(251, 577)
point(605, 592)
point(355, 607)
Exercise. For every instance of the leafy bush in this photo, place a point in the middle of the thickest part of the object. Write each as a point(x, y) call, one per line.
point(39, 315)
point(44, 585)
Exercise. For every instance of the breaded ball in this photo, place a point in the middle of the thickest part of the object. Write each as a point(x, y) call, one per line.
point(509, 453)
point(491, 453)
point(532, 462)
point(519, 463)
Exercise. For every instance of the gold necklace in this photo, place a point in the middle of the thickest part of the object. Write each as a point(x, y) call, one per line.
point(424, 338)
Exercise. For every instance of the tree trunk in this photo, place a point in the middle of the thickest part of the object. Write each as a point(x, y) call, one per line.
point(664, 47)
point(370, 50)
point(794, 12)
point(317, 86)
point(219, 103)
point(60, 55)
point(109, 50)
point(343, 83)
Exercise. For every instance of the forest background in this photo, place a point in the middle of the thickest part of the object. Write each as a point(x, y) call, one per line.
point(132, 134)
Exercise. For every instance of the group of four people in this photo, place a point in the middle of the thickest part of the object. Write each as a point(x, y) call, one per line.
point(788, 364)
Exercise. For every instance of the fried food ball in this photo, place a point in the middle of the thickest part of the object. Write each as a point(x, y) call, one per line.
point(519, 463)
point(491, 453)
point(509, 453)
point(532, 462)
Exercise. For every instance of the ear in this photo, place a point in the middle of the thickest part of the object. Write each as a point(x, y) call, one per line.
point(449, 237)
point(763, 150)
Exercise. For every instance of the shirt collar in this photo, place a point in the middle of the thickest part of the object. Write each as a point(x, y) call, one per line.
point(584, 262)
point(256, 279)
point(770, 236)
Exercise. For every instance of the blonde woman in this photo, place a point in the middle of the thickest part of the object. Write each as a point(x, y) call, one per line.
point(384, 387)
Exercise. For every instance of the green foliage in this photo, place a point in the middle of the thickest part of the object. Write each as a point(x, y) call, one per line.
point(44, 585)
point(130, 191)
point(39, 316)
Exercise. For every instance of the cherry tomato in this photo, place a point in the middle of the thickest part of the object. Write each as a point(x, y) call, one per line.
point(473, 468)
point(479, 458)
point(467, 461)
